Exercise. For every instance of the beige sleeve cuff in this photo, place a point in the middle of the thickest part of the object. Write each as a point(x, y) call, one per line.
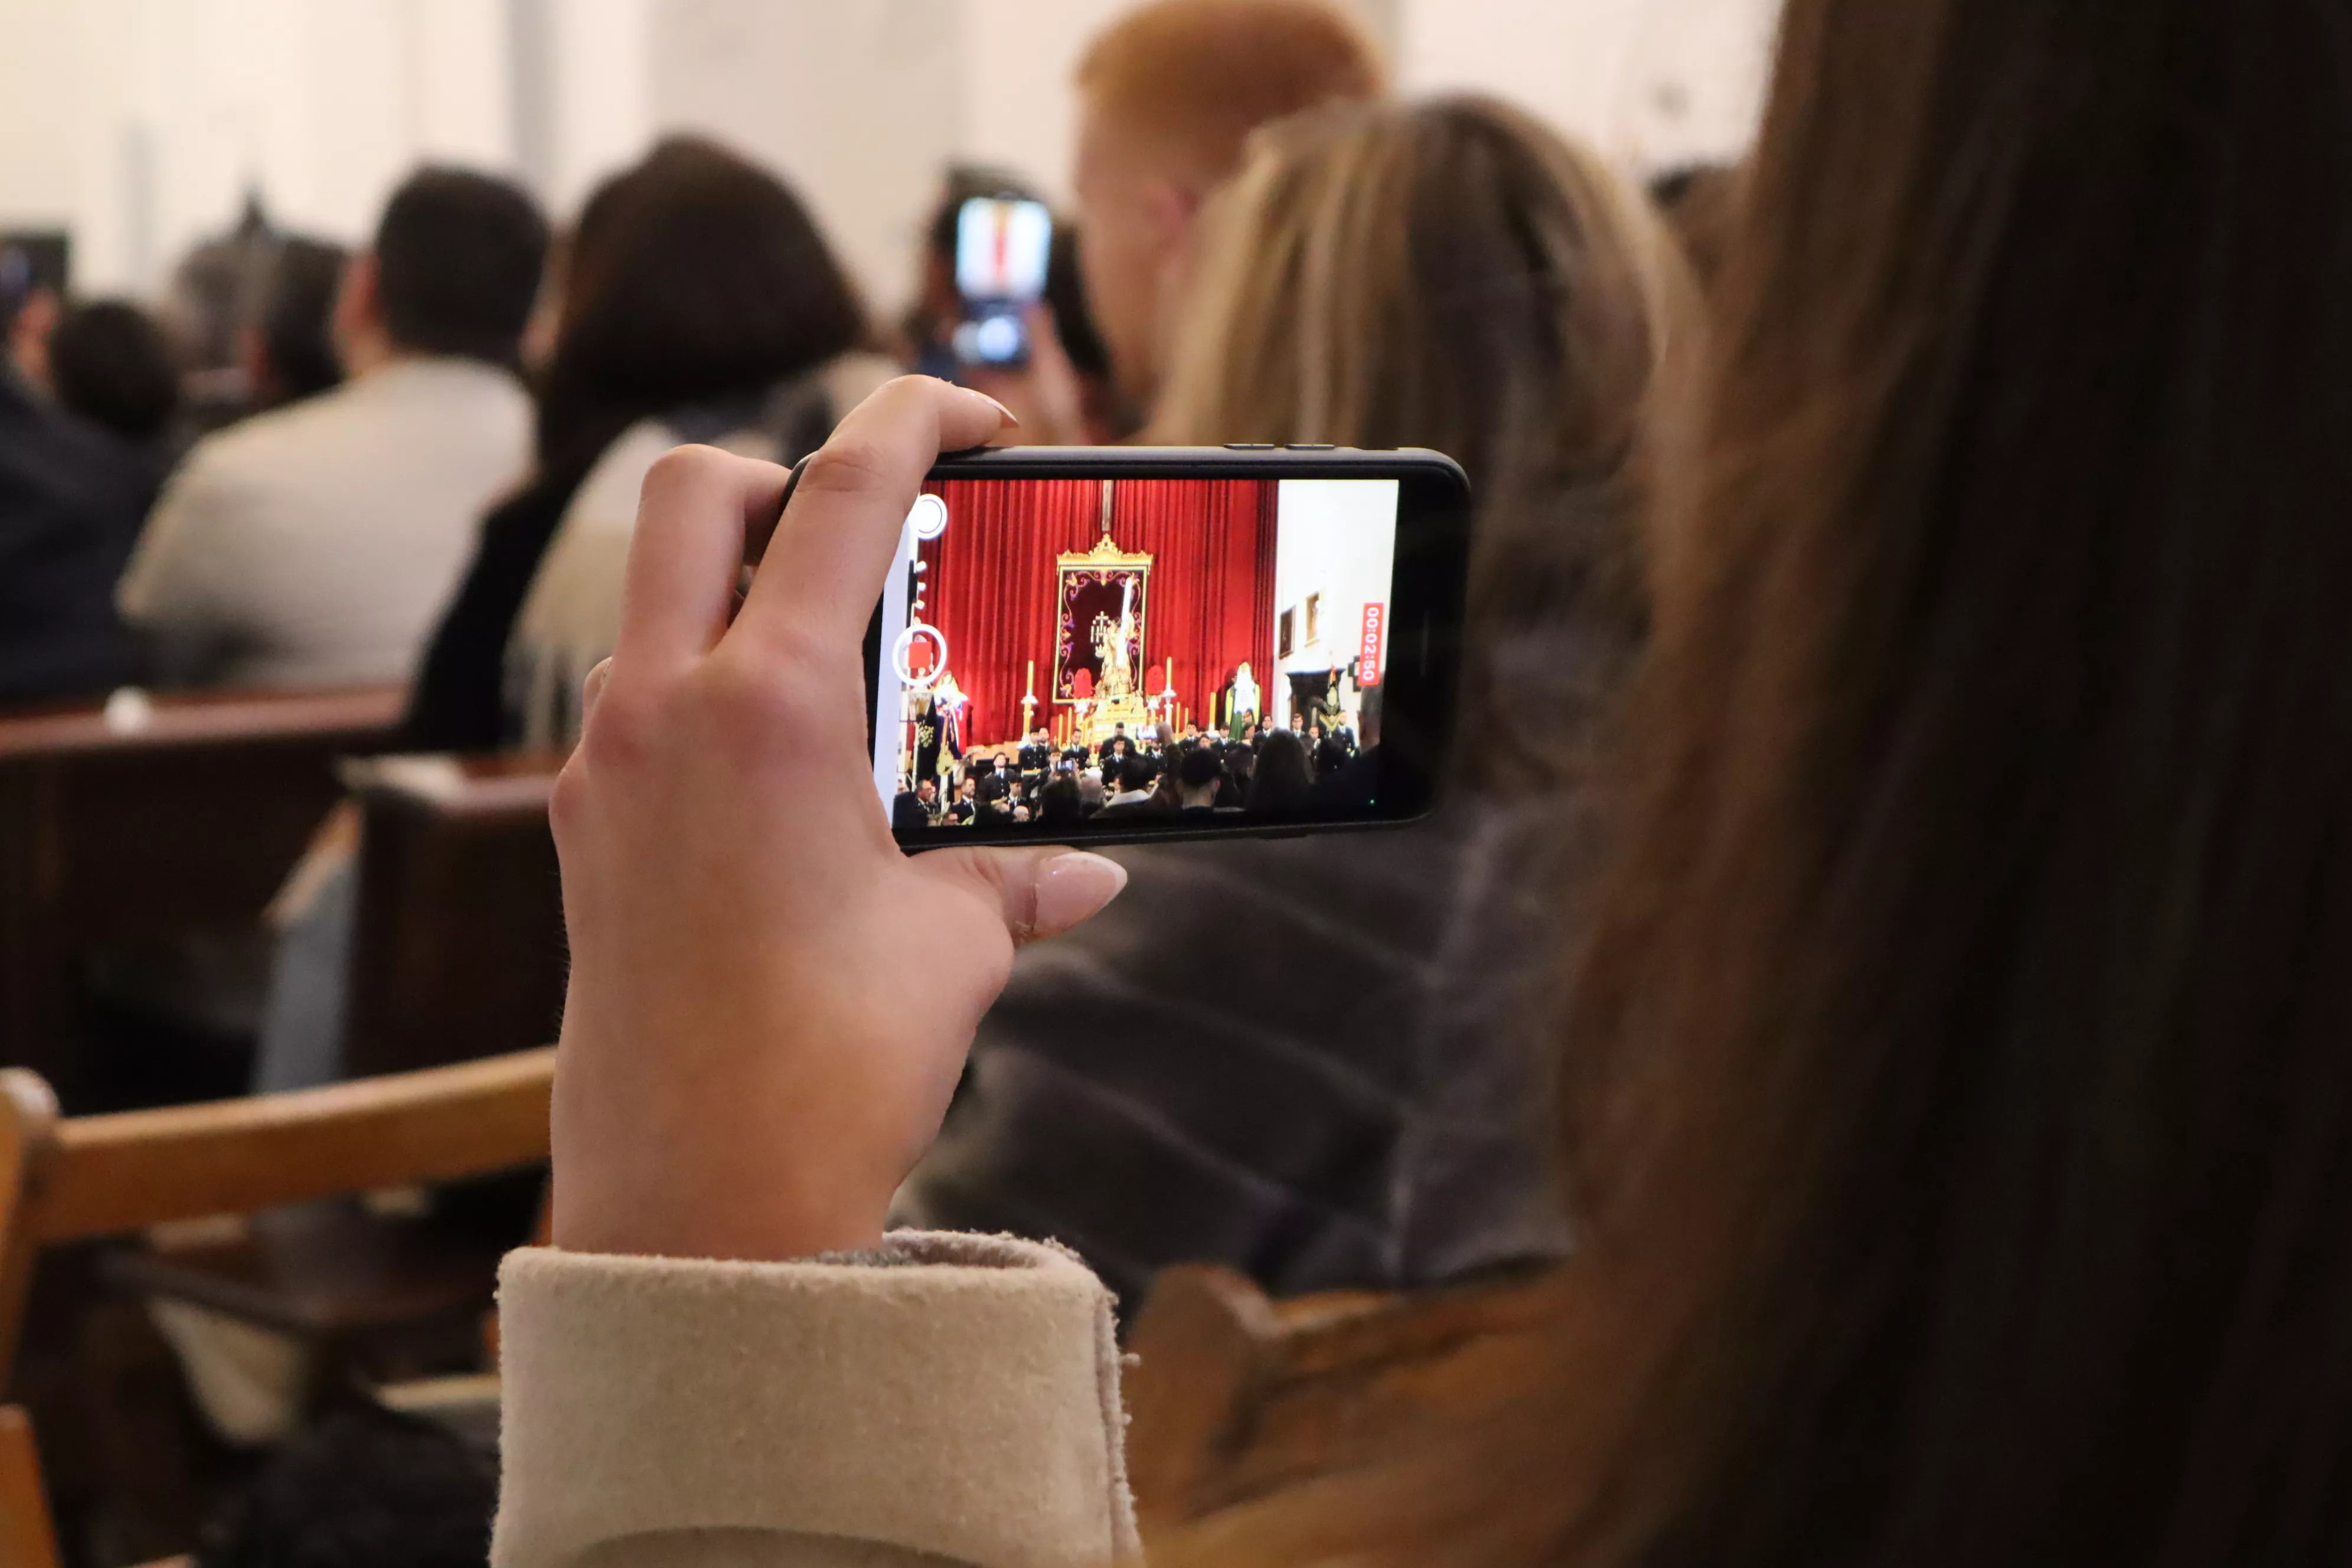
point(956, 1396)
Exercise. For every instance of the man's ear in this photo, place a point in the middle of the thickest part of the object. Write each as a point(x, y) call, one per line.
point(1173, 210)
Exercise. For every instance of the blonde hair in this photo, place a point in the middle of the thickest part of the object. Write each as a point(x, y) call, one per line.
point(1448, 274)
point(1371, 269)
point(1198, 76)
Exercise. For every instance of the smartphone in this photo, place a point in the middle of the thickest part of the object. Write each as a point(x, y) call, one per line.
point(1003, 245)
point(1121, 645)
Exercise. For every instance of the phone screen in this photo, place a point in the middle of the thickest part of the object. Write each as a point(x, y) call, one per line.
point(1135, 653)
point(1003, 246)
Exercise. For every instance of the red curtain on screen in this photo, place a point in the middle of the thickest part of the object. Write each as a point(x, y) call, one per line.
point(1211, 548)
point(993, 579)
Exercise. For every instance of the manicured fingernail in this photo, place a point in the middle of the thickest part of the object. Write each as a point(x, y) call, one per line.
point(1010, 417)
point(1071, 888)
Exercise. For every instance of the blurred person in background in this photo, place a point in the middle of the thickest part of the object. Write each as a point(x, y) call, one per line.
point(72, 496)
point(714, 311)
point(1067, 394)
point(207, 305)
point(287, 348)
point(695, 300)
point(1167, 97)
point(1524, 302)
point(927, 332)
point(315, 544)
point(109, 362)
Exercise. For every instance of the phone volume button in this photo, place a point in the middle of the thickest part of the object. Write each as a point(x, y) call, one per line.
point(1312, 446)
point(1250, 447)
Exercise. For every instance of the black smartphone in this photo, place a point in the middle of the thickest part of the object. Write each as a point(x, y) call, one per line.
point(1114, 645)
point(1003, 246)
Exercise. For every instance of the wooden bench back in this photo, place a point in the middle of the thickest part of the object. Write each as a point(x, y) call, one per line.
point(183, 823)
point(1236, 1398)
point(76, 1179)
point(64, 1180)
point(27, 1536)
point(459, 949)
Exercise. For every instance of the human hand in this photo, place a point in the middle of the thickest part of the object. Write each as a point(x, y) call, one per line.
point(1043, 396)
point(769, 1003)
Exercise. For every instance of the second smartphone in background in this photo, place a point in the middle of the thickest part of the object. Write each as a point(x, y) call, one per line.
point(1004, 245)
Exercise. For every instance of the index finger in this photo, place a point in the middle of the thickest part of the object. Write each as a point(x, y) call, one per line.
point(823, 570)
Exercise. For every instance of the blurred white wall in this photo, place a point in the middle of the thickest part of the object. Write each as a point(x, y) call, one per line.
point(1652, 83)
point(140, 124)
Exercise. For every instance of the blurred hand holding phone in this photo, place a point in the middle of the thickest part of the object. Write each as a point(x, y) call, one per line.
point(1003, 246)
point(1006, 342)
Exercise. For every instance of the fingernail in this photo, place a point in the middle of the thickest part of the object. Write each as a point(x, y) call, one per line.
point(1071, 888)
point(1010, 417)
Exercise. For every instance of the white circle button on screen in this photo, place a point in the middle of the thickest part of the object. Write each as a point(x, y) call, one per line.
point(929, 518)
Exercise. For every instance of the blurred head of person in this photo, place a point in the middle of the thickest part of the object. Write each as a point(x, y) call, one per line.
point(287, 347)
point(451, 273)
point(1280, 782)
point(1451, 274)
point(1168, 96)
point(1197, 773)
point(210, 299)
point(693, 277)
point(1057, 803)
point(109, 362)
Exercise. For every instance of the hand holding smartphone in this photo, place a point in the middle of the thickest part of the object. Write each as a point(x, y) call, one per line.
point(1119, 644)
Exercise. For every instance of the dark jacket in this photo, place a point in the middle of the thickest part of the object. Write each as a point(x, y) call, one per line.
point(72, 499)
point(459, 700)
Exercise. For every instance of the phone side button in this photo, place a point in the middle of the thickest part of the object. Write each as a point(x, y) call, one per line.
point(1249, 446)
point(1311, 447)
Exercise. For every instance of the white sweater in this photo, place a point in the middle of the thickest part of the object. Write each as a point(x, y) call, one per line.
point(949, 1398)
point(316, 546)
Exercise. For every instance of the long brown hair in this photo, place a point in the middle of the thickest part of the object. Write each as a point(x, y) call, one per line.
point(1964, 1057)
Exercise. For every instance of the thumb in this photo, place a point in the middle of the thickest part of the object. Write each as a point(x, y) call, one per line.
point(1044, 892)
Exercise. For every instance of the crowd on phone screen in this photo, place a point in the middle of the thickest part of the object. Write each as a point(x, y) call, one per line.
point(1265, 769)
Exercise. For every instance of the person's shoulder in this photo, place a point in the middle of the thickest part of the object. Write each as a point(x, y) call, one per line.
point(607, 498)
point(297, 426)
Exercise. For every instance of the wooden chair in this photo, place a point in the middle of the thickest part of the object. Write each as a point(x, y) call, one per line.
point(156, 821)
point(459, 949)
point(68, 1180)
point(1236, 1398)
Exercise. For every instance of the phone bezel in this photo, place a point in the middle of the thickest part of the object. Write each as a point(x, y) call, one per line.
point(1420, 682)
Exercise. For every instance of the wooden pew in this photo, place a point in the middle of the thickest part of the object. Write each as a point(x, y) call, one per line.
point(164, 820)
point(456, 954)
point(460, 948)
point(1237, 1400)
point(70, 1179)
